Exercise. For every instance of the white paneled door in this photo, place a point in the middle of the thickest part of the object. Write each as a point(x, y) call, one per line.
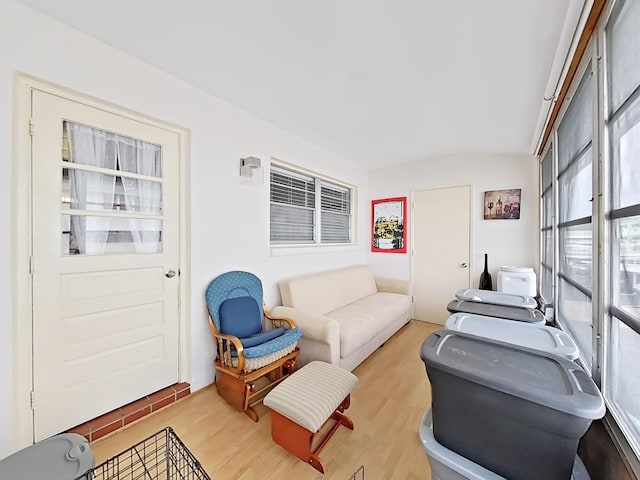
point(105, 256)
point(441, 249)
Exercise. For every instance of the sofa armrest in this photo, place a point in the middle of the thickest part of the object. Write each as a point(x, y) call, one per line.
point(320, 335)
point(315, 327)
point(393, 285)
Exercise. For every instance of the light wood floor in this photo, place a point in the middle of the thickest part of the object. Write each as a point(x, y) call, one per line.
point(386, 408)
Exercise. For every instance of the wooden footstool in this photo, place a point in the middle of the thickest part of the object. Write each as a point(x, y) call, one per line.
point(304, 402)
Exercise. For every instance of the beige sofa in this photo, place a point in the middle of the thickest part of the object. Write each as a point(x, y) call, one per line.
point(345, 314)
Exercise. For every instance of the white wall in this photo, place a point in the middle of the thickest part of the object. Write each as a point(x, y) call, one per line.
point(508, 242)
point(220, 136)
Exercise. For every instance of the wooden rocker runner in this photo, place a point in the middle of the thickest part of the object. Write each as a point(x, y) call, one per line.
point(301, 404)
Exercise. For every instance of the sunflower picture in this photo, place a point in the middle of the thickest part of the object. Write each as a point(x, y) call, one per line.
point(388, 225)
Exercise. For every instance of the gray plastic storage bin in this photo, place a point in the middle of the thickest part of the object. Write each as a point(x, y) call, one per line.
point(538, 337)
point(516, 411)
point(62, 457)
point(500, 311)
point(448, 465)
point(497, 298)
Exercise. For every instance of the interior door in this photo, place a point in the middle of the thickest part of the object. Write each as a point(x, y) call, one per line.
point(105, 253)
point(441, 249)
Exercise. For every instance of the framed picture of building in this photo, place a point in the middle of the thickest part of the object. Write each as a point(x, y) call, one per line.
point(389, 225)
point(502, 204)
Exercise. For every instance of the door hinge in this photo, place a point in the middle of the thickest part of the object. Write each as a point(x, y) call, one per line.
point(31, 127)
point(32, 267)
point(32, 400)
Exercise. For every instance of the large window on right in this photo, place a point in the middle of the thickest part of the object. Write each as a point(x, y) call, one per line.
point(590, 217)
point(621, 375)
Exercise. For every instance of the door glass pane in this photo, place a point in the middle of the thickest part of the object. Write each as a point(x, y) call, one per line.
point(626, 281)
point(124, 192)
point(625, 141)
point(574, 313)
point(84, 190)
point(93, 235)
point(575, 187)
point(623, 38)
point(576, 254)
point(622, 379)
point(98, 148)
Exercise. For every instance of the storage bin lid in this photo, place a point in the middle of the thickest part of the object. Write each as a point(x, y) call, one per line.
point(538, 337)
point(539, 377)
point(497, 298)
point(501, 311)
point(65, 456)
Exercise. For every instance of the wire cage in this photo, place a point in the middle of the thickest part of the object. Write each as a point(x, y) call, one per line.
point(358, 474)
point(162, 456)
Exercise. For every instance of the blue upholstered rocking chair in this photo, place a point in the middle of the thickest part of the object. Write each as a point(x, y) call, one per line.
point(250, 358)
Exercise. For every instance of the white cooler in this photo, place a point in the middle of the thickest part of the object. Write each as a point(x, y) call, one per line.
point(538, 337)
point(517, 280)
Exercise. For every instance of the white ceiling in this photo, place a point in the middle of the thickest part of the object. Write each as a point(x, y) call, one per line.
point(377, 81)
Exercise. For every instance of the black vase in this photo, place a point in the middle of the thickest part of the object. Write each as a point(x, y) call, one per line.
point(485, 276)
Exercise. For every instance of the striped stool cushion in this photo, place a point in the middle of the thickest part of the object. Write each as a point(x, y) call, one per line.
point(310, 395)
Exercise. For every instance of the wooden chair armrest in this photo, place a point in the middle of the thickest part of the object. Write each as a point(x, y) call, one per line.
point(223, 347)
point(224, 343)
point(277, 322)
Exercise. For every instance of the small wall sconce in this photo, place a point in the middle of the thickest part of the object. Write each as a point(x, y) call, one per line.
point(251, 171)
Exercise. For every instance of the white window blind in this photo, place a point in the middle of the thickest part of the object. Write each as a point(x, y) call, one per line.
point(575, 232)
point(335, 213)
point(308, 210)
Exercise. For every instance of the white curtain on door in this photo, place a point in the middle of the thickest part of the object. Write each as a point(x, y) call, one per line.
point(91, 190)
point(142, 196)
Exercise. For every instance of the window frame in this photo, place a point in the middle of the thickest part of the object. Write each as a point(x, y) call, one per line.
point(320, 182)
point(628, 440)
point(589, 63)
point(624, 432)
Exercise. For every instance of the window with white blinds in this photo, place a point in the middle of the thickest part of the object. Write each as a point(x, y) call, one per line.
point(307, 210)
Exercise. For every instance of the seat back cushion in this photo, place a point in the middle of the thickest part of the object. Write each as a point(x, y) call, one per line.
point(326, 291)
point(241, 317)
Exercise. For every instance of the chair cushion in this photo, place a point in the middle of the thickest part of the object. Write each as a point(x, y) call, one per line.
point(241, 317)
point(291, 335)
point(261, 337)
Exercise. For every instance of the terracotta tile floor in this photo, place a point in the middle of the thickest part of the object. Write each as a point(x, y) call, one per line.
point(112, 421)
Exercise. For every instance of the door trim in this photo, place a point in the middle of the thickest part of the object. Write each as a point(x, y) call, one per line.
point(413, 222)
point(22, 428)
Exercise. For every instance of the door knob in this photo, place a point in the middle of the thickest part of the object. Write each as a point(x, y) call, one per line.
point(170, 273)
point(464, 265)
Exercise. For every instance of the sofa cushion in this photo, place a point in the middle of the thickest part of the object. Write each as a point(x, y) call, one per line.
point(327, 291)
point(363, 319)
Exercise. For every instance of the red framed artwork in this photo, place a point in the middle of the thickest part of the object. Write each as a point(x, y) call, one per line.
point(389, 225)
